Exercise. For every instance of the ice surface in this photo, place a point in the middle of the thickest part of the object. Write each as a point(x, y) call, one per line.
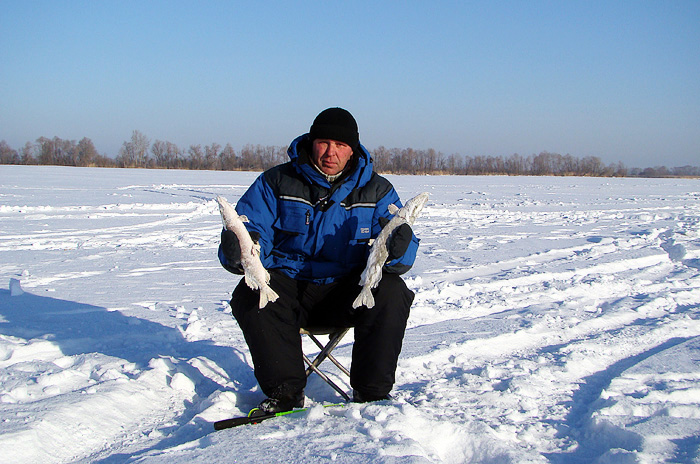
point(555, 320)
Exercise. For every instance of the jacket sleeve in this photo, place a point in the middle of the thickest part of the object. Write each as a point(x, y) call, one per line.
point(259, 205)
point(403, 263)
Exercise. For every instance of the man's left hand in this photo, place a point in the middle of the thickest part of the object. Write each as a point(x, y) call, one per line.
point(398, 241)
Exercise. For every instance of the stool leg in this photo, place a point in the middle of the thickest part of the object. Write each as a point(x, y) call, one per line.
point(333, 341)
point(312, 367)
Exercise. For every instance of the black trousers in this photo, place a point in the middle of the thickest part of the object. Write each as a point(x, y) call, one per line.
point(272, 333)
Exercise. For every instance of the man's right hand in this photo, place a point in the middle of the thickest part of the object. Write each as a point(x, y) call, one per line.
point(230, 247)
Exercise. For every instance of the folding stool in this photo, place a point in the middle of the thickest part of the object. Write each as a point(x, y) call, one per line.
point(335, 335)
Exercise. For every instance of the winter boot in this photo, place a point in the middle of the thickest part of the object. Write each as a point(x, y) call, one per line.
point(281, 401)
point(359, 397)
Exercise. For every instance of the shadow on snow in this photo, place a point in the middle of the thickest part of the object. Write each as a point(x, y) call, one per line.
point(79, 328)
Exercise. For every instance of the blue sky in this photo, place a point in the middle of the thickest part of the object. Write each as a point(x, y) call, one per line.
point(614, 79)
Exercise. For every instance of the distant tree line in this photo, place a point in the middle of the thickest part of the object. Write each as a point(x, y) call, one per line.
point(139, 152)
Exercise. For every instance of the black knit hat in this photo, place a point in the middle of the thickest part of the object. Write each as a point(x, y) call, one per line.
point(336, 124)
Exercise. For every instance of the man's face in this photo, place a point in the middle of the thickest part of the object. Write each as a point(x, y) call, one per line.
point(331, 156)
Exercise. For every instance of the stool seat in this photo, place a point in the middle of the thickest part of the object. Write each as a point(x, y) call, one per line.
point(320, 330)
point(335, 335)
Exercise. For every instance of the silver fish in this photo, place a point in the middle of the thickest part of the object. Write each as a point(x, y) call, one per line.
point(256, 276)
point(379, 253)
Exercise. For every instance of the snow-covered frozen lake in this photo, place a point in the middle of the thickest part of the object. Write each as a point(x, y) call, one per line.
point(555, 320)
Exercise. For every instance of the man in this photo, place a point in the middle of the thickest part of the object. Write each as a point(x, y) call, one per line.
point(313, 218)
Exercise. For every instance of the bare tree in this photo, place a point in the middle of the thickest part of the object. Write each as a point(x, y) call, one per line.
point(211, 156)
point(227, 158)
point(592, 166)
point(515, 165)
point(86, 153)
point(46, 151)
point(196, 157)
point(7, 154)
point(134, 153)
point(28, 153)
point(159, 153)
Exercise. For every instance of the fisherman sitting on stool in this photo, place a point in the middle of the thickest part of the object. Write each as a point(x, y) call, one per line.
point(313, 218)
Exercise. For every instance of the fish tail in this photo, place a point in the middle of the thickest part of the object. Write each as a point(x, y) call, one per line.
point(267, 295)
point(365, 298)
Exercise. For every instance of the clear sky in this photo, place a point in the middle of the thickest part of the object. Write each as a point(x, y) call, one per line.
point(615, 79)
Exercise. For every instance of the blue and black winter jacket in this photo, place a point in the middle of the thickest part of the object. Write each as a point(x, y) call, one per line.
point(313, 230)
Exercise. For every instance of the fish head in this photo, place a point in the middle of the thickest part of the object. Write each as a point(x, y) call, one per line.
point(413, 207)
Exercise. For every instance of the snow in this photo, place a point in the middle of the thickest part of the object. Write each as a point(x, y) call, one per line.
point(555, 320)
